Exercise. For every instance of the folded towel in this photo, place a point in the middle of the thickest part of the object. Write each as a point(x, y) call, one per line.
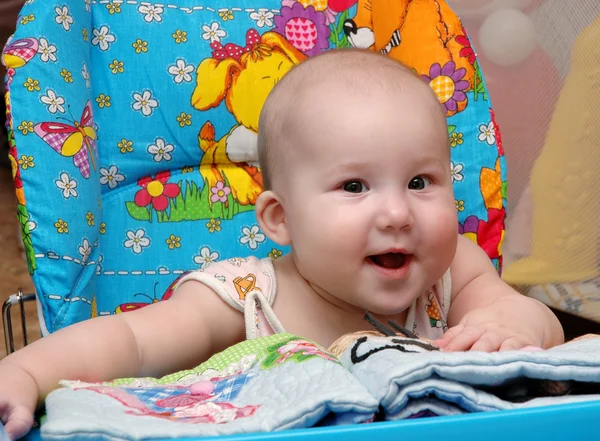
point(410, 377)
point(272, 383)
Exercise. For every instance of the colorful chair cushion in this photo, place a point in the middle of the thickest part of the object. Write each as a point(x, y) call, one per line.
point(133, 132)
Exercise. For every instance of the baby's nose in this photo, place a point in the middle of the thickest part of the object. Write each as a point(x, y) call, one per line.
point(395, 214)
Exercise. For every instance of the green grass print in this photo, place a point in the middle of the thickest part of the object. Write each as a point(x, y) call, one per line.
point(337, 37)
point(478, 86)
point(274, 356)
point(23, 217)
point(191, 204)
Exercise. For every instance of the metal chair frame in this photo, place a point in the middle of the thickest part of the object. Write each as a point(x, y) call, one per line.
point(15, 299)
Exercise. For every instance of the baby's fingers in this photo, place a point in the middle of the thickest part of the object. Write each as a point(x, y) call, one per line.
point(513, 344)
point(461, 338)
point(487, 343)
point(448, 336)
point(17, 420)
point(19, 427)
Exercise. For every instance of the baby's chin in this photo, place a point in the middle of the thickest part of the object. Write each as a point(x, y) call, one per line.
point(388, 311)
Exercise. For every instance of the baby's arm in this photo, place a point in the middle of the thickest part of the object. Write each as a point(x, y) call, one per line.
point(161, 338)
point(488, 315)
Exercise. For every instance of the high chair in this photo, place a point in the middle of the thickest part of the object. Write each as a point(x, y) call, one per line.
point(133, 143)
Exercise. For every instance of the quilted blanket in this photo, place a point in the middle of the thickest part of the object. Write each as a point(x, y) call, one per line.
point(272, 383)
point(410, 378)
point(284, 382)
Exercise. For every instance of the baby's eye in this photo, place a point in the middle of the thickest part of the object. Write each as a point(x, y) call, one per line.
point(354, 187)
point(419, 183)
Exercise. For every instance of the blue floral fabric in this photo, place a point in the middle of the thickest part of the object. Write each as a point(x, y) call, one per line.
point(133, 135)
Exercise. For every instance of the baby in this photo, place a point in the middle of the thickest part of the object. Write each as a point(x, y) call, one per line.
point(356, 164)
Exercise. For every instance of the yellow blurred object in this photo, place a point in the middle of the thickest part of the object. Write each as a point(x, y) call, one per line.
point(565, 226)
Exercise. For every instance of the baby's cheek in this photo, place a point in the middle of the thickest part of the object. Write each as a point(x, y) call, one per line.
point(447, 231)
point(318, 234)
point(447, 222)
point(337, 239)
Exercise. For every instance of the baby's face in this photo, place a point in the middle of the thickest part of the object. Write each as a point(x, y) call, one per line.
point(368, 197)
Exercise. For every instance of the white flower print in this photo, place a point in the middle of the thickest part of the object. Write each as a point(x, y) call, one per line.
point(54, 102)
point(181, 71)
point(102, 38)
point(88, 5)
point(213, 33)
point(67, 185)
point(206, 257)
point(137, 241)
point(86, 76)
point(144, 102)
point(85, 250)
point(46, 51)
point(63, 18)
point(31, 225)
point(262, 17)
point(111, 176)
point(252, 237)
point(161, 150)
point(487, 133)
point(99, 265)
point(151, 13)
point(456, 172)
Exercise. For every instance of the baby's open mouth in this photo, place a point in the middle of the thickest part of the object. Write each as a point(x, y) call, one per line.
point(389, 260)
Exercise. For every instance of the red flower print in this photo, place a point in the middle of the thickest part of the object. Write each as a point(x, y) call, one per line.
point(156, 191)
point(467, 51)
point(497, 133)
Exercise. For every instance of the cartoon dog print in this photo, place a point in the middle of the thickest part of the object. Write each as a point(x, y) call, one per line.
point(245, 180)
point(243, 77)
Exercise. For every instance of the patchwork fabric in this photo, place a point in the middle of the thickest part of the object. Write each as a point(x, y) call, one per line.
point(284, 381)
point(246, 388)
point(133, 132)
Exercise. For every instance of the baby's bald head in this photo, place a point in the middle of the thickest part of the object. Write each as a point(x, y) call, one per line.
point(342, 71)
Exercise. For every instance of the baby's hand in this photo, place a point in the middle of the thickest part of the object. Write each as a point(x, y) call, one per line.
point(17, 419)
point(18, 400)
point(508, 323)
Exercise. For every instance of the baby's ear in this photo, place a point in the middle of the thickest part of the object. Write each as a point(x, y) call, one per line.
point(271, 218)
